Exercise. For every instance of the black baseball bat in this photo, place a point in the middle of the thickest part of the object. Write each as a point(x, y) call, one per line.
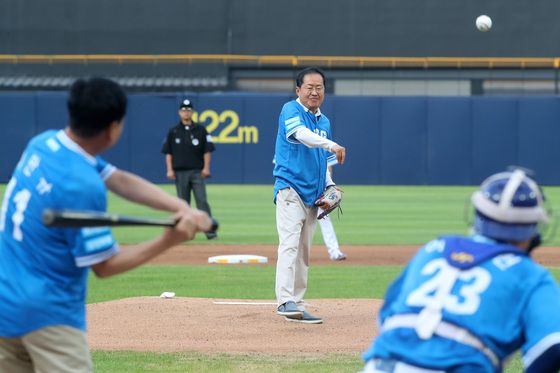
point(76, 219)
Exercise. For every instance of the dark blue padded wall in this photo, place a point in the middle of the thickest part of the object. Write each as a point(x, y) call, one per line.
point(262, 113)
point(356, 123)
point(494, 135)
point(17, 125)
point(403, 141)
point(389, 140)
point(146, 125)
point(539, 136)
point(448, 140)
point(50, 109)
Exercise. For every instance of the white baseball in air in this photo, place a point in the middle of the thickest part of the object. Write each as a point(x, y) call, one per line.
point(483, 23)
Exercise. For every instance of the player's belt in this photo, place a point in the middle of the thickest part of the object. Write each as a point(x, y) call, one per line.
point(444, 330)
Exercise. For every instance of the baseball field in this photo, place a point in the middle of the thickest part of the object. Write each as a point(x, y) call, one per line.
point(223, 319)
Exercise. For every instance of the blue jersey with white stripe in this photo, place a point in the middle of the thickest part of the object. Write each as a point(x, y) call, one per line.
point(43, 271)
point(297, 166)
point(500, 296)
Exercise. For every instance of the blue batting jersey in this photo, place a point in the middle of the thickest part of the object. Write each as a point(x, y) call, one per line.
point(297, 166)
point(43, 271)
point(499, 296)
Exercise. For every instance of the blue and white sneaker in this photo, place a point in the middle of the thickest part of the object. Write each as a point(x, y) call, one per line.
point(306, 319)
point(289, 309)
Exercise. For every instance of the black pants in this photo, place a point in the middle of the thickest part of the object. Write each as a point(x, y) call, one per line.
point(192, 180)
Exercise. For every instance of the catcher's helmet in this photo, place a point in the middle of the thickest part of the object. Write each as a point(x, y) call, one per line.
point(508, 207)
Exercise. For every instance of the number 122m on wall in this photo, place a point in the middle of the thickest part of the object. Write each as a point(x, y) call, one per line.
point(225, 128)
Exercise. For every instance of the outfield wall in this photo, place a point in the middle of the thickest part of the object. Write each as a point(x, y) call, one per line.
point(389, 140)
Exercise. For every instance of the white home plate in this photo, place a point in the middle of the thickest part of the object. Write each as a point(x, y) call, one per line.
point(233, 259)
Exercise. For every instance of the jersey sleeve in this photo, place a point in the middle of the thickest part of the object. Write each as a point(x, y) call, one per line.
point(291, 120)
point(542, 322)
point(331, 159)
point(104, 168)
point(93, 245)
point(89, 246)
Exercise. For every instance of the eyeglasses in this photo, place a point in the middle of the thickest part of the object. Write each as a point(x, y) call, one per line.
point(309, 89)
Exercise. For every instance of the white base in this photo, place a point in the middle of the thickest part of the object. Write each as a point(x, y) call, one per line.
point(236, 259)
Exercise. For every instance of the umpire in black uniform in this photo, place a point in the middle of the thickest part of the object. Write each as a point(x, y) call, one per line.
point(187, 150)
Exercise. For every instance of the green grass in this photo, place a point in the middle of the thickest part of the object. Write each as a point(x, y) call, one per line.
point(110, 362)
point(231, 282)
point(371, 214)
point(389, 215)
point(330, 281)
point(137, 362)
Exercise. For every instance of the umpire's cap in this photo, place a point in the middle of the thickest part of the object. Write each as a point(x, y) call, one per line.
point(186, 104)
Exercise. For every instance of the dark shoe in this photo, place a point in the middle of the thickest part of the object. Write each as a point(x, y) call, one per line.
point(211, 235)
point(290, 310)
point(307, 319)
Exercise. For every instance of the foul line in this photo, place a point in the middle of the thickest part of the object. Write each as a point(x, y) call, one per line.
point(247, 303)
point(251, 303)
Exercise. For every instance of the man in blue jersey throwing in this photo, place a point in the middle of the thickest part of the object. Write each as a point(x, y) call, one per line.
point(466, 304)
point(44, 271)
point(303, 149)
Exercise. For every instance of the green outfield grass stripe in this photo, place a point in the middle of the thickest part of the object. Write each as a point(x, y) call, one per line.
point(373, 215)
point(244, 282)
point(136, 362)
point(125, 361)
point(240, 282)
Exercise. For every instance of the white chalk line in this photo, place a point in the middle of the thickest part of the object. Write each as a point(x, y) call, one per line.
point(246, 303)
point(249, 303)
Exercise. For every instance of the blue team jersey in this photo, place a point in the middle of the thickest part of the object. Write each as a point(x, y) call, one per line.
point(297, 166)
point(43, 271)
point(504, 299)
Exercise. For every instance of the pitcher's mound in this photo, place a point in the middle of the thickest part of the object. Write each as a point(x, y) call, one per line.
point(215, 325)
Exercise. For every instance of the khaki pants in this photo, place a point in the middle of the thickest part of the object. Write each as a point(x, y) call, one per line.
point(295, 223)
point(59, 349)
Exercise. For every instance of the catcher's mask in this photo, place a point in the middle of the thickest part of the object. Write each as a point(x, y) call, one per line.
point(509, 206)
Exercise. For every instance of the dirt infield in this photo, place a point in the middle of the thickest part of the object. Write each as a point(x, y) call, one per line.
point(357, 255)
point(195, 324)
point(214, 325)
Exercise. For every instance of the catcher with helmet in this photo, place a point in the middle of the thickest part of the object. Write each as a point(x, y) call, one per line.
point(466, 304)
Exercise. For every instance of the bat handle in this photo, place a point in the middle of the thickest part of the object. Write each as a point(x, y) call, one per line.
point(213, 228)
point(215, 225)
